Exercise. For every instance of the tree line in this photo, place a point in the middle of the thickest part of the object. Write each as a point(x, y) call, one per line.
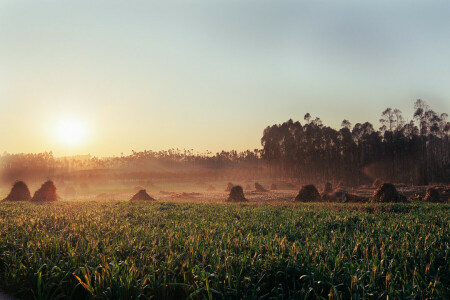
point(169, 163)
point(414, 152)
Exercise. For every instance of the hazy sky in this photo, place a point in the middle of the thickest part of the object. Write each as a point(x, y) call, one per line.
point(209, 74)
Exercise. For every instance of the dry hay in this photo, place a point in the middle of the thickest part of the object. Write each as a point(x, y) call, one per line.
point(236, 194)
point(387, 193)
point(210, 188)
point(260, 188)
point(142, 196)
point(308, 193)
point(273, 187)
point(327, 188)
point(19, 192)
point(229, 187)
point(46, 193)
point(432, 195)
point(376, 183)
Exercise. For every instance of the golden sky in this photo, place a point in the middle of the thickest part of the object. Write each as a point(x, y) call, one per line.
point(105, 77)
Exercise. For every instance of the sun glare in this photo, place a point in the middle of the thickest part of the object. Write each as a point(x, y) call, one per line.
point(71, 131)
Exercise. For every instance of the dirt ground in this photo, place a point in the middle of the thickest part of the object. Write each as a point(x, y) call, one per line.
point(189, 191)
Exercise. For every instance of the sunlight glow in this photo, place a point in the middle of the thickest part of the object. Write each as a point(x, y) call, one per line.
point(71, 131)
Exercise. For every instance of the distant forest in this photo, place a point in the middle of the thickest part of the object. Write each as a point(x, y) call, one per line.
point(415, 152)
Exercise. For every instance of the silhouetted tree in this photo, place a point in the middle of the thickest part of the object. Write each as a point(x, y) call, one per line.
point(399, 151)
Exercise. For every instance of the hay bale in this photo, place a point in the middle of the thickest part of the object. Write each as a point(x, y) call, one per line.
point(46, 193)
point(432, 195)
point(260, 188)
point(327, 188)
point(19, 192)
point(273, 187)
point(142, 196)
point(236, 194)
point(308, 193)
point(229, 187)
point(387, 193)
point(376, 183)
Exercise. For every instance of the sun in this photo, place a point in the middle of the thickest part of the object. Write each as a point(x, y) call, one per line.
point(71, 131)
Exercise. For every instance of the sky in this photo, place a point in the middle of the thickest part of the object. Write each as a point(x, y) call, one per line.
point(106, 77)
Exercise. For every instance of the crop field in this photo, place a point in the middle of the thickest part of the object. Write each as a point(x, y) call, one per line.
point(176, 250)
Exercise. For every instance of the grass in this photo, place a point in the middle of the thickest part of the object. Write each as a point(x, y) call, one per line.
point(120, 250)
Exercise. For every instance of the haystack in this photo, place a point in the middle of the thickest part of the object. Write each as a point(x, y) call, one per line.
point(46, 193)
point(308, 193)
point(210, 188)
point(273, 187)
point(229, 187)
point(19, 192)
point(376, 183)
point(260, 188)
point(432, 195)
point(327, 188)
point(387, 193)
point(236, 194)
point(142, 196)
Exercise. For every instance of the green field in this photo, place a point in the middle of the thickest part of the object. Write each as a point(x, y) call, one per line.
point(167, 250)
